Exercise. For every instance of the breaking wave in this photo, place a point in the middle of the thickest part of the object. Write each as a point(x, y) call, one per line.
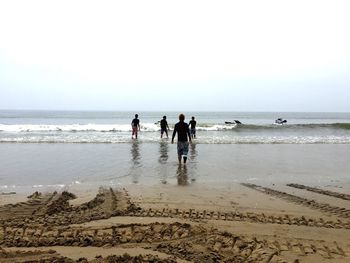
point(150, 127)
point(208, 133)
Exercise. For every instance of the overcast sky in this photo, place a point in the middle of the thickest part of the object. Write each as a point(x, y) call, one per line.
point(175, 55)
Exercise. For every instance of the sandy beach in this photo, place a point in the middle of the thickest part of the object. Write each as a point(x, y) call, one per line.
point(164, 223)
point(163, 131)
point(67, 197)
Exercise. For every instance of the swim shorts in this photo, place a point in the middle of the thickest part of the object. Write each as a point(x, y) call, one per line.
point(182, 148)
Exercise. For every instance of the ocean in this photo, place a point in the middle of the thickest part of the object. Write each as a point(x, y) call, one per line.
point(44, 150)
point(114, 127)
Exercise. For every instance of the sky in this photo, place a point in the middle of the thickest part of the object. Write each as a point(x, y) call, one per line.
point(175, 55)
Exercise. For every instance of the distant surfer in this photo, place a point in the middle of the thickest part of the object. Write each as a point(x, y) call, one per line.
point(233, 122)
point(193, 124)
point(280, 121)
point(183, 138)
point(164, 127)
point(135, 126)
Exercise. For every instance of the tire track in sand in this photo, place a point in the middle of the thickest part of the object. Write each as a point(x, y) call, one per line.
point(51, 256)
point(109, 203)
point(196, 243)
point(51, 216)
point(323, 207)
point(320, 191)
point(259, 218)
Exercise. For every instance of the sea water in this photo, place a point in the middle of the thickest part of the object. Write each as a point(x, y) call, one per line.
point(56, 149)
point(114, 127)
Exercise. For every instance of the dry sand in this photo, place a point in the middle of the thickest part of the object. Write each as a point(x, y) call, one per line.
point(167, 223)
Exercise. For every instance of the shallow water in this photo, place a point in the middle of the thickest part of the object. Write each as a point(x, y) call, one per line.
point(32, 166)
point(58, 149)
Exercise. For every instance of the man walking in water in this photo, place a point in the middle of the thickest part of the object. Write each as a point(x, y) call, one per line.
point(164, 127)
point(183, 136)
point(193, 128)
point(135, 125)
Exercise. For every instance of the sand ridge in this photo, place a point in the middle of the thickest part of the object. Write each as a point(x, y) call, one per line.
point(48, 223)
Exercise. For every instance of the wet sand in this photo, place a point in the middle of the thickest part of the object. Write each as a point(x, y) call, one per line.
point(167, 223)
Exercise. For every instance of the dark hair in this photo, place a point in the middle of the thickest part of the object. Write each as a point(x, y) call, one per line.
point(181, 117)
point(192, 117)
point(164, 117)
point(136, 115)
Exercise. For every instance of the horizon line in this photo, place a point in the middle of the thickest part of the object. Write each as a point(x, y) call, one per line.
point(142, 110)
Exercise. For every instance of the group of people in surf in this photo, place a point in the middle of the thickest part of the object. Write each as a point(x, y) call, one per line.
point(164, 127)
point(185, 133)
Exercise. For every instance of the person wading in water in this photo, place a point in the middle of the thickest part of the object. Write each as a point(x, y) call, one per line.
point(183, 138)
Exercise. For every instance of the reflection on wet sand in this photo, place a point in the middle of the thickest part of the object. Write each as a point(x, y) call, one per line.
point(163, 151)
point(163, 159)
point(186, 173)
point(135, 162)
point(192, 157)
point(193, 152)
point(181, 174)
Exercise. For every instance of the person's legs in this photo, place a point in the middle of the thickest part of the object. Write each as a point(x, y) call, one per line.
point(179, 150)
point(193, 133)
point(185, 151)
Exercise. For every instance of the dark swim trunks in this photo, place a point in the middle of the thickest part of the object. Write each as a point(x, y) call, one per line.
point(182, 148)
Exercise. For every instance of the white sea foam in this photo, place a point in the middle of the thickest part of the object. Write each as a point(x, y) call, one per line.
point(207, 133)
point(152, 127)
point(145, 127)
point(154, 138)
point(65, 128)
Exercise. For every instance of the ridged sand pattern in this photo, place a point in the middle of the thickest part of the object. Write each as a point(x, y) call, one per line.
point(45, 221)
